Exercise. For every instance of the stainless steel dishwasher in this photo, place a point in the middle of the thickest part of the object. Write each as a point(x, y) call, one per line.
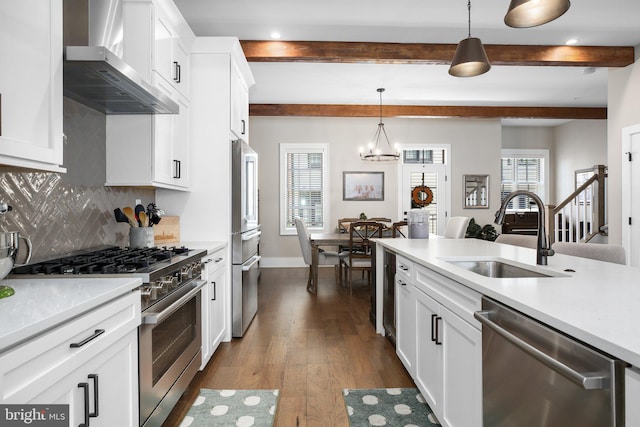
point(533, 375)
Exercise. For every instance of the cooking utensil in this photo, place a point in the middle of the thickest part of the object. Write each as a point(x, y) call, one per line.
point(139, 208)
point(144, 220)
point(120, 216)
point(131, 216)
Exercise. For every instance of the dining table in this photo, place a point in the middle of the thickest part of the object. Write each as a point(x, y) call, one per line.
point(323, 239)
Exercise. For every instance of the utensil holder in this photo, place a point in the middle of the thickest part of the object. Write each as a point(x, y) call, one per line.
point(141, 237)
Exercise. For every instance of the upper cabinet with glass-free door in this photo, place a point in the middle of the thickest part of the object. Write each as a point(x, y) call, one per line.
point(31, 85)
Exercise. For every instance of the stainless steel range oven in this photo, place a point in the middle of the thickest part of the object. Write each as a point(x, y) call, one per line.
point(169, 337)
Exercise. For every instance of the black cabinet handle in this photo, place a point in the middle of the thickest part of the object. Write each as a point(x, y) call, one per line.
point(243, 126)
point(433, 323)
point(95, 412)
point(214, 291)
point(177, 73)
point(95, 335)
point(85, 386)
point(177, 170)
point(438, 342)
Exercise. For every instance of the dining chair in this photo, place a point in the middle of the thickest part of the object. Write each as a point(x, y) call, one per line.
point(360, 255)
point(324, 257)
point(598, 251)
point(399, 229)
point(456, 227)
point(524, 240)
point(343, 224)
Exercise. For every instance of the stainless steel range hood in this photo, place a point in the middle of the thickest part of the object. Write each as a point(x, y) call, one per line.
point(96, 77)
point(94, 73)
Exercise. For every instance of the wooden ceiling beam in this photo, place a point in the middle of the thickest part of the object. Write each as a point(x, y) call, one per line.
point(420, 53)
point(345, 110)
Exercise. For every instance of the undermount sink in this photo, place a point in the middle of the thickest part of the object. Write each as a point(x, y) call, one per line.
point(499, 269)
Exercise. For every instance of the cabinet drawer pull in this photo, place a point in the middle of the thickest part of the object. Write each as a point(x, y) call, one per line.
point(403, 268)
point(85, 386)
point(95, 335)
point(177, 72)
point(95, 412)
point(177, 170)
point(244, 124)
point(433, 324)
point(214, 291)
point(402, 282)
point(437, 340)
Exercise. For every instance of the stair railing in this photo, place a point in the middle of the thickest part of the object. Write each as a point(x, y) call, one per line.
point(581, 216)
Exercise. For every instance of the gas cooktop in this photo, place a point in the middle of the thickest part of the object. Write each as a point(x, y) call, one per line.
point(148, 263)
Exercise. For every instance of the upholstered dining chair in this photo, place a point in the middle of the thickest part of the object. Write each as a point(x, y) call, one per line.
point(360, 255)
point(599, 251)
point(324, 257)
point(456, 227)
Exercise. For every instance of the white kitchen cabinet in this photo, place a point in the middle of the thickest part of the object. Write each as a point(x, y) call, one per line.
point(448, 359)
point(149, 150)
point(98, 350)
point(632, 397)
point(156, 43)
point(31, 134)
point(213, 304)
point(153, 150)
point(405, 312)
point(239, 105)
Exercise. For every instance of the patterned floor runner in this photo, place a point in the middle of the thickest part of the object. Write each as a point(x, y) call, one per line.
point(241, 408)
point(396, 407)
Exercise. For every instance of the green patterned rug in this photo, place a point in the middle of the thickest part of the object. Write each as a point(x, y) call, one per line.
point(237, 408)
point(391, 407)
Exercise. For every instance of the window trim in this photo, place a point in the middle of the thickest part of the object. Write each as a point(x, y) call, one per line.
point(540, 153)
point(286, 148)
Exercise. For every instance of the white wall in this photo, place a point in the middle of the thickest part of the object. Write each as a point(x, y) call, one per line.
point(623, 111)
point(580, 144)
point(475, 149)
point(532, 138)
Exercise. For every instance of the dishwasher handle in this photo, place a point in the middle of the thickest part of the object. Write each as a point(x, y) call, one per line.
point(588, 382)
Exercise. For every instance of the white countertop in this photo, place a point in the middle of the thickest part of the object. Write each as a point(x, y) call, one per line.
point(211, 247)
point(599, 303)
point(40, 304)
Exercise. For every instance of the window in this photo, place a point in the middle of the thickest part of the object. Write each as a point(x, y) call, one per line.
point(524, 170)
point(303, 183)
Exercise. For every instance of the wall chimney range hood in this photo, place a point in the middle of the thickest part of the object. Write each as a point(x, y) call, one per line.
point(97, 78)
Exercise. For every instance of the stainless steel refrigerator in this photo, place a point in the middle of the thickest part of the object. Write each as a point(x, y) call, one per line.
point(245, 238)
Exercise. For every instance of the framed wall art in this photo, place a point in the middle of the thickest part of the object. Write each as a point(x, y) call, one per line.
point(364, 186)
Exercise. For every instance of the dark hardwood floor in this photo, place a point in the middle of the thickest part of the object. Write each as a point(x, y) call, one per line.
point(308, 346)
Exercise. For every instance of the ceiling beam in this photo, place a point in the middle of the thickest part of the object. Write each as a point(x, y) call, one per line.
point(420, 53)
point(345, 110)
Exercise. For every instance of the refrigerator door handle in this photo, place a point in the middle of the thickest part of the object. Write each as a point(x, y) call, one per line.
point(249, 266)
point(249, 236)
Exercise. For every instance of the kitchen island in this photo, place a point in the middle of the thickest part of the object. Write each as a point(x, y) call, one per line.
point(440, 342)
point(596, 303)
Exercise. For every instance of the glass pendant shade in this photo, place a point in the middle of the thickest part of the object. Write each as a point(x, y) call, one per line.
point(531, 13)
point(470, 59)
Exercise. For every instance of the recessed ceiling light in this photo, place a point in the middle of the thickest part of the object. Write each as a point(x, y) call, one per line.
point(275, 35)
point(571, 42)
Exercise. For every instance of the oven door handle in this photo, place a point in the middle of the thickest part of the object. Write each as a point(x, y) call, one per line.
point(155, 318)
point(588, 382)
point(248, 267)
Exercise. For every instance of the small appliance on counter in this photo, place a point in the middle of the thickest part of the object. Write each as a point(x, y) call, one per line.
point(9, 246)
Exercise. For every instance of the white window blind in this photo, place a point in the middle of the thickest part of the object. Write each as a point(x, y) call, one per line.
point(303, 172)
point(523, 171)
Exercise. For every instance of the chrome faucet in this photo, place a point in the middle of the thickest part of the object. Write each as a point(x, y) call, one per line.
point(543, 250)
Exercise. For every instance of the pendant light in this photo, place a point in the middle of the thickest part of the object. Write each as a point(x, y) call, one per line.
point(470, 58)
point(375, 153)
point(531, 13)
